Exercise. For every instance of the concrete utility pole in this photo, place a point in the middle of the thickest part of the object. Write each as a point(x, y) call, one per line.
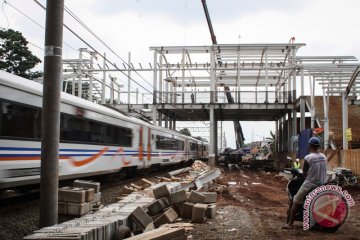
point(51, 113)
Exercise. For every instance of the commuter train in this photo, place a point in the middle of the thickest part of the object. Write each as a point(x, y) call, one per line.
point(94, 139)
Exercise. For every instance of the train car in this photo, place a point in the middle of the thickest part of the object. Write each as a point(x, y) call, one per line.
point(94, 139)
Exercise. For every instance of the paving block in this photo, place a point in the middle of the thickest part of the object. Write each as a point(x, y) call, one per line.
point(77, 209)
point(89, 194)
point(141, 217)
point(161, 192)
point(196, 197)
point(97, 197)
point(155, 207)
point(199, 213)
point(87, 184)
point(169, 216)
point(210, 197)
point(178, 197)
point(73, 195)
point(211, 211)
point(187, 210)
point(62, 207)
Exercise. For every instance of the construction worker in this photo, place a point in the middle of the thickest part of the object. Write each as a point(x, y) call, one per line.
point(296, 164)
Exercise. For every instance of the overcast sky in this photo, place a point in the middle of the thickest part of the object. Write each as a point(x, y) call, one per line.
point(328, 27)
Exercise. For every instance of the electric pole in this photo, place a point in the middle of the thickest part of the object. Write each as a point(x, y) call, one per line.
point(51, 113)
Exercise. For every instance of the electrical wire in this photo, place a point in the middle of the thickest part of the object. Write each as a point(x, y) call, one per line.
point(103, 42)
point(111, 63)
point(32, 20)
point(7, 19)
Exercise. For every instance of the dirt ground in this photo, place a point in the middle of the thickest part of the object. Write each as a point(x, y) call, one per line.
point(254, 207)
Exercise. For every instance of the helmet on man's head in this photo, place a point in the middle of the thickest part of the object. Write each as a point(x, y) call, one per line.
point(297, 160)
point(314, 141)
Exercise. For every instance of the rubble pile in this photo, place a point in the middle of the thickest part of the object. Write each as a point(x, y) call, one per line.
point(160, 211)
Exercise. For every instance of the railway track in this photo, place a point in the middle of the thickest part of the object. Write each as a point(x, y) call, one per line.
point(12, 200)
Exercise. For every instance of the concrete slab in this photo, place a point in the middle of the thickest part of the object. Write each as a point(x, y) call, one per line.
point(155, 207)
point(77, 209)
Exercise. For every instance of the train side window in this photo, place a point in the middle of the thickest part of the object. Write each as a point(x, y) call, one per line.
point(168, 143)
point(20, 121)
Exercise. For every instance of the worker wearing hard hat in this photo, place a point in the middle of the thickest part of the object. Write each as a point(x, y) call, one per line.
point(296, 164)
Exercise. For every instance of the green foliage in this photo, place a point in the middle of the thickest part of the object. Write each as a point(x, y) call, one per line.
point(185, 131)
point(15, 57)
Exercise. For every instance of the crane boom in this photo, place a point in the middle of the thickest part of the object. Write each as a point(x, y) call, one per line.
point(237, 127)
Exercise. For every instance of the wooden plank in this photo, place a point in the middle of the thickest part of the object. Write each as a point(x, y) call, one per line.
point(147, 181)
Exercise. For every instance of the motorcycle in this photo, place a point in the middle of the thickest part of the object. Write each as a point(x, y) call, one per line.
point(318, 220)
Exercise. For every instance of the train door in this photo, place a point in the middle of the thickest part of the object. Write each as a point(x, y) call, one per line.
point(141, 147)
point(149, 144)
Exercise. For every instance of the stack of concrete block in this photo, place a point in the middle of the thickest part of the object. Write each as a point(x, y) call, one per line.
point(199, 206)
point(90, 185)
point(79, 200)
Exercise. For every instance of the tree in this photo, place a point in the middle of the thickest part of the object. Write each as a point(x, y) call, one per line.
point(15, 57)
point(185, 131)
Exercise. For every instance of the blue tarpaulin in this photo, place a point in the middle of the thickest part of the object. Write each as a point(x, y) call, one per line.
point(303, 140)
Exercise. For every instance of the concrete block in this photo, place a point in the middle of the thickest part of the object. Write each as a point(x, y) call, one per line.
point(165, 202)
point(161, 192)
point(87, 184)
point(211, 211)
point(199, 213)
point(141, 217)
point(155, 207)
point(196, 197)
point(156, 216)
point(89, 194)
point(97, 197)
point(178, 197)
point(62, 207)
point(77, 209)
point(72, 195)
point(187, 210)
point(169, 216)
point(178, 207)
point(210, 197)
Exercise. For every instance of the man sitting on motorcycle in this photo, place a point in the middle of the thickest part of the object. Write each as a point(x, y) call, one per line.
point(314, 171)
